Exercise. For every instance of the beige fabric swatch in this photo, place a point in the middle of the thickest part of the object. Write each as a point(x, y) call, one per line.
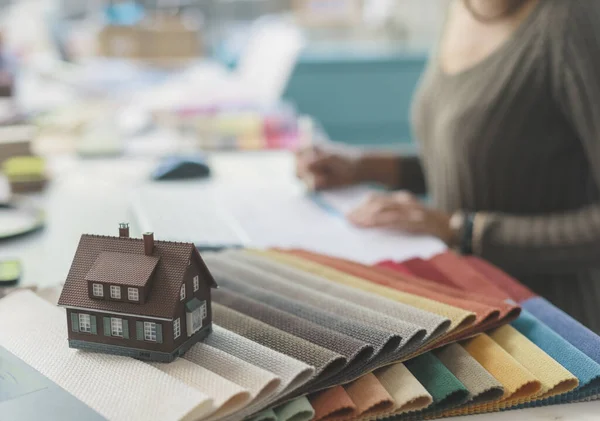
point(227, 396)
point(260, 383)
point(408, 394)
point(293, 373)
point(108, 384)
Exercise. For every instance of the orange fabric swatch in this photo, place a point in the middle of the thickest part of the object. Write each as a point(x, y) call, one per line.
point(333, 403)
point(518, 291)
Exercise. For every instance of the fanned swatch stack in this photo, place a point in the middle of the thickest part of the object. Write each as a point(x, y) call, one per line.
point(420, 339)
point(299, 336)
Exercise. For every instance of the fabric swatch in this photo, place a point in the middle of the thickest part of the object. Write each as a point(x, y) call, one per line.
point(369, 396)
point(411, 335)
point(407, 393)
point(326, 362)
point(446, 390)
point(293, 373)
point(266, 415)
point(554, 378)
point(227, 396)
point(332, 403)
point(517, 381)
point(260, 383)
point(384, 343)
point(106, 383)
point(434, 324)
point(583, 367)
point(296, 410)
point(457, 316)
point(482, 386)
point(355, 351)
point(515, 290)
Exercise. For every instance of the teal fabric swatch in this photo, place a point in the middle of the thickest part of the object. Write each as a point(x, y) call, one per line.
point(296, 410)
point(578, 363)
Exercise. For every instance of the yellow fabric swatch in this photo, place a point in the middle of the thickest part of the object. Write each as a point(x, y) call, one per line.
point(520, 385)
point(555, 379)
point(460, 319)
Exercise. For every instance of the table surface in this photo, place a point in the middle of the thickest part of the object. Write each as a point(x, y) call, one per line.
point(91, 196)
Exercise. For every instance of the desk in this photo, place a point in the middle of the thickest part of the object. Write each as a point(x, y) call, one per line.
point(91, 196)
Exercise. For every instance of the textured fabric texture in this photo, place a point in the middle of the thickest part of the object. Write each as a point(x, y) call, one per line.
point(333, 403)
point(536, 181)
point(355, 351)
point(326, 362)
point(583, 367)
point(485, 314)
point(447, 391)
point(554, 378)
point(517, 291)
point(578, 335)
point(266, 415)
point(260, 383)
point(369, 396)
point(411, 335)
point(108, 384)
point(434, 324)
point(482, 386)
point(517, 381)
point(293, 373)
point(384, 343)
point(296, 410)
point(457, 316)
point(404, 388)
point(227, 396)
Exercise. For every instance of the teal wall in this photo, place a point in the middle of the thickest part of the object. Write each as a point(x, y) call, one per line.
point(359, 97)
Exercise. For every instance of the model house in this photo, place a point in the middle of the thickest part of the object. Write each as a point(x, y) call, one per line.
point(137, 297)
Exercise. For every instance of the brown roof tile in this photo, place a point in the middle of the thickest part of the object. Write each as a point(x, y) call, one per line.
point(122, 269)
point(164, 293)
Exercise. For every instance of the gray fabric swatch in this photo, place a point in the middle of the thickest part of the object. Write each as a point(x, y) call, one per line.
point(412, 335)
point(356, 352)
point(327, 363)
point(434, 324)
point(384, 343)
point(293, 373)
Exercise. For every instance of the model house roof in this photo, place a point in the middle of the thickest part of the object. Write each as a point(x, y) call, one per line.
point(123, 269)
point(165, 267)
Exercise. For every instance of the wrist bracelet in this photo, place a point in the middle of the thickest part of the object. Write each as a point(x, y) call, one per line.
point(466, 242)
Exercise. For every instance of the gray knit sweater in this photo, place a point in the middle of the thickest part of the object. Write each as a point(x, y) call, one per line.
point(516, 138)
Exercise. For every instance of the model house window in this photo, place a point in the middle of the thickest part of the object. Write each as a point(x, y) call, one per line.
point(150, 331)
point(116, 327)
point(85, 323)
point(98, 290)
point(182, 292)
point(133, 294)
point(196, 283)
point(177, 328)
point(115, 292)
point(203, 310)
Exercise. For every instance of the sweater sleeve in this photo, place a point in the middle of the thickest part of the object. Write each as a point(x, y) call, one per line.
point(569, 241)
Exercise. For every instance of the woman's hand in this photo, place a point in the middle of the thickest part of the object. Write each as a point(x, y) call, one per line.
point(325, 170)
point(402, 211)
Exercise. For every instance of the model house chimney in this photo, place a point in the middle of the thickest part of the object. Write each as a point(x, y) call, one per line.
point(124, 230)
point(148, 243)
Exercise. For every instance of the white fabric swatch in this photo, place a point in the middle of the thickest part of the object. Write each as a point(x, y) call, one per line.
point(293, 373)
point(36, 332)
point(227, 397)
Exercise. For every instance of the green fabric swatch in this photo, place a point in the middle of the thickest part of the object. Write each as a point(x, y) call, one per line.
point(447, 391)
point(296, 410)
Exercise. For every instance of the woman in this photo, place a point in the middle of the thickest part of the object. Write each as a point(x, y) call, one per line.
point(508, 121)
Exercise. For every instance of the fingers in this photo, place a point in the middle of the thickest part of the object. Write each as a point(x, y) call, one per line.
point(400, 211)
